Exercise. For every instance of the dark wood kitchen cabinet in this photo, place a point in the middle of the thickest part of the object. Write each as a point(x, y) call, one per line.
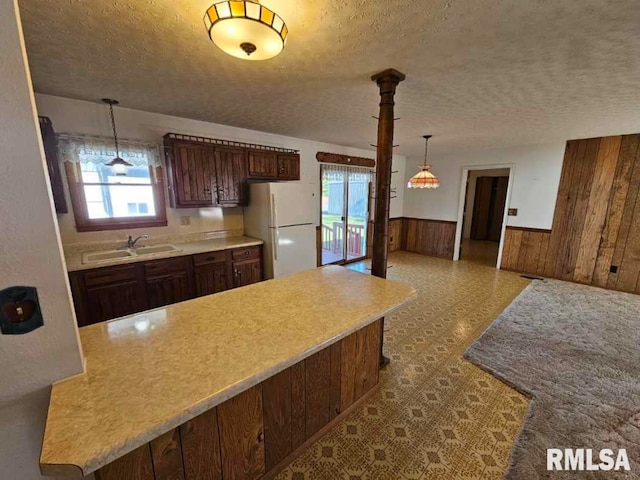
point(192, 174)
point(105, 293)
point(53, 165)
point(247, 272)
point(231, 177)
point(168, 281)
point(246, 266)
point(212, 272)
point(289, 166)
point(262, 164)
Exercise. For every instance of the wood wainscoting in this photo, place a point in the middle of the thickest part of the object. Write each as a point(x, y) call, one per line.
point(525, 250)
point(429, 237)
point(595, 237)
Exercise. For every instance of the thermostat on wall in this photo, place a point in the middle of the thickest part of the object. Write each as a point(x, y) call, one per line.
point(19, 310)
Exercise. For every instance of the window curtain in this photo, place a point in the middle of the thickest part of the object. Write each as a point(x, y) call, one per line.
point(101, 150)
point(359, 180)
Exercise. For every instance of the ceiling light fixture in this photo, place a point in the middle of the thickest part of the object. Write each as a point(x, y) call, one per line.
point(424, 178)
point(119, 165)
point(246, 29)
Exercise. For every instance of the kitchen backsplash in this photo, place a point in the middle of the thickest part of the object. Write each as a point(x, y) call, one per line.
point(152, 240)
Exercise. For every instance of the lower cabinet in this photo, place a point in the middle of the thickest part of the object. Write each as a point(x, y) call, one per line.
point(253, 433)
point(105, 293)
point(247, 272)
point(168, 281)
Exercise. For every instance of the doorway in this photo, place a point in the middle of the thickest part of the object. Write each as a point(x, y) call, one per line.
point(483, 215)
point(344, 213)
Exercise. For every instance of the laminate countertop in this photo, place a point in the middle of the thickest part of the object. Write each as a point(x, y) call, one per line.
point(74, 259)
point(150, 372)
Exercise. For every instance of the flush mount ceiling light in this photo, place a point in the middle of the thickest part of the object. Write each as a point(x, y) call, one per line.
point(119, 165)
point(424, 178)
point(246, 29)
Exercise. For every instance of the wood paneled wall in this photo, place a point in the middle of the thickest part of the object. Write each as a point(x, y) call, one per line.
point(429, 237)
point(595, 237)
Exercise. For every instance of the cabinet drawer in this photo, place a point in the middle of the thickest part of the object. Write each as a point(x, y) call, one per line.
point(108, 275)
point(210, 257)
point(248, 252)
point(158, 267)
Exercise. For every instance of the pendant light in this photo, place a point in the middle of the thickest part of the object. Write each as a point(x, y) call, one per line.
point(119, 165)
point(246, 29)
point(424, 178)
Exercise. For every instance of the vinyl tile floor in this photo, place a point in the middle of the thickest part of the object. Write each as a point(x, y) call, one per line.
point(434, 415)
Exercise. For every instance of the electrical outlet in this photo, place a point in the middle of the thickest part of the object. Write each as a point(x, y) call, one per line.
point(185, 220)
point(513, 212)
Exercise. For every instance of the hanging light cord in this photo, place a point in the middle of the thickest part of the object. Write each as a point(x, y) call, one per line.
point(113, 126)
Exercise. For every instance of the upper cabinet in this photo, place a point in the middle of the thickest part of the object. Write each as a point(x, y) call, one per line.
point(192, 174)
point(53, 166)
point(262, 164)
point(205, 172)
point(231, 177)
point(289, 166)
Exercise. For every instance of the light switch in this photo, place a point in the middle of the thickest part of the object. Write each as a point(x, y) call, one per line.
point(513, 212)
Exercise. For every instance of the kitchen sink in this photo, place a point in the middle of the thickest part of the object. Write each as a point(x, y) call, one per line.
point(156, 249)
point(95, 257)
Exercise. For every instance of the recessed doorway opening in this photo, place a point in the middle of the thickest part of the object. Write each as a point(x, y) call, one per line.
point(483, 213)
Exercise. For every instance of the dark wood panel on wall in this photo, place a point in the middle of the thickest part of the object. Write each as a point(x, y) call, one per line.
point(595, 237)
point(429, 237)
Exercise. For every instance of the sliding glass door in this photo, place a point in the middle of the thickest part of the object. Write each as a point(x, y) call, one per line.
point(345, 213)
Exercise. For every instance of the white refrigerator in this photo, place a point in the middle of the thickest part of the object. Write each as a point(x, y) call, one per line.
point(282, 215)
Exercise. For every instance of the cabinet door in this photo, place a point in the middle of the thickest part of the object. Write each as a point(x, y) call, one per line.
point(105, 302)
point(262, 164)
point(51, 154)
point(211, 279)
point(169, 288)
point(247, 272)
point(241, 428)
point(289, 167)
point(192, 176)
point(231, 176)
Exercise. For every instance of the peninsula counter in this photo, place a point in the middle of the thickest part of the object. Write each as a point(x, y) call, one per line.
point(224, 386)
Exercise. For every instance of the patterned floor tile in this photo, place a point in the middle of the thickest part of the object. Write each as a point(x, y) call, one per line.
point(435, 415)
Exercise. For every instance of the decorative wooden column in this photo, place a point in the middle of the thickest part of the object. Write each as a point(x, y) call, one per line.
point(387, 81)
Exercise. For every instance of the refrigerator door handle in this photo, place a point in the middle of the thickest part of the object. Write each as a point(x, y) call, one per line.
point(274, 230)
point(276, 239)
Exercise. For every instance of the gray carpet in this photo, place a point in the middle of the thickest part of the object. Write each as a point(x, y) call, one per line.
point(575, 351)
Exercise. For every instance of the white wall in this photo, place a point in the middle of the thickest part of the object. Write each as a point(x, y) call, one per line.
point(536, 179)
point(74, 116)
point(471, 195)
point(30, 254)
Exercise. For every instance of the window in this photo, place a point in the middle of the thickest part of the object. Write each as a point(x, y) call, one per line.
point(102, 199)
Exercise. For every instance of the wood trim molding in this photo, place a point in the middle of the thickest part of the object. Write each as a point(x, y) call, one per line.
point(528, 229)
point(326, 157)
point(429, 220)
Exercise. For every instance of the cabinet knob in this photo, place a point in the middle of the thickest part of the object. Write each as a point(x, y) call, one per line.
point(261, 437)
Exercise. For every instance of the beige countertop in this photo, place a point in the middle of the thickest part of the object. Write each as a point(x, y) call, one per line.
point(74, 259)
point(150, 372)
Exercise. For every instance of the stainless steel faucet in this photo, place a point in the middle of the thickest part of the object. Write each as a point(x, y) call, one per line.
point(131, 243)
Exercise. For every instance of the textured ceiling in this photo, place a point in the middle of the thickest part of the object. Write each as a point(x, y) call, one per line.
point(480, 73)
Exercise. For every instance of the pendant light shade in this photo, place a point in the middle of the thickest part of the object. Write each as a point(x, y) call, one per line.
point(424, 178)
point(246, 29)
point(119, 165)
